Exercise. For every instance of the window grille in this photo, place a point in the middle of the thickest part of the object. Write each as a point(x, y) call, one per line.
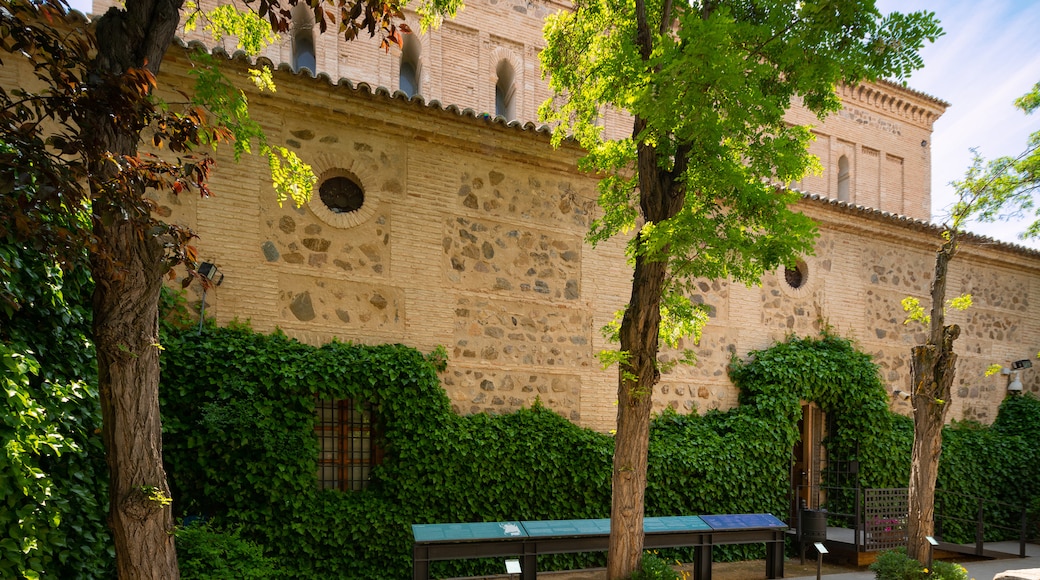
point(348, 440)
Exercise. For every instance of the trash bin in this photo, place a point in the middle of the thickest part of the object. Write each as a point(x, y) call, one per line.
point(814, 526)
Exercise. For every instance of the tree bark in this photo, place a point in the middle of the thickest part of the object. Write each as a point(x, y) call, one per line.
point(128, 272)
point(932, 370)
point(127, 264)
point(660, 199)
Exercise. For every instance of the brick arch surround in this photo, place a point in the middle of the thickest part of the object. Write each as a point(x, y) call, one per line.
point(325, 166)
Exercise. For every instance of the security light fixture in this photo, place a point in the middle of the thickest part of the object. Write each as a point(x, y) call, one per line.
point(1014, 385)
point(211, 272)
point(513, 567)
point(905, 395)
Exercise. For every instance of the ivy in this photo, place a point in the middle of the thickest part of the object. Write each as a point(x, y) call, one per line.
point(52, 471)
point(239, 415)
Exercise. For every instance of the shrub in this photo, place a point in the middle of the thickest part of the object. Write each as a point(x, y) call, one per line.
point(654, 567)
point(206, 553)
point(896, 565)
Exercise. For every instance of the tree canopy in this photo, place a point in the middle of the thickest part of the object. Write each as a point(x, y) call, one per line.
point(1005, 187)
point(699, 180)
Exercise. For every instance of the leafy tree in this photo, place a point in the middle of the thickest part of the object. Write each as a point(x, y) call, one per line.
point(989, 190)
point(1006, 186)
point(707, 84)
point(79, 136)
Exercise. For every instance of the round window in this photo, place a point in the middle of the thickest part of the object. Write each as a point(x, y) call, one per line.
point(796, 277)
point(341, 194)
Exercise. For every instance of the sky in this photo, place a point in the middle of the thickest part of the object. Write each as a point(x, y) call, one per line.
point(989, 56)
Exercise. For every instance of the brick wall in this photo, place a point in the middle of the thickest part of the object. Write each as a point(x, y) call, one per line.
point(884, 130)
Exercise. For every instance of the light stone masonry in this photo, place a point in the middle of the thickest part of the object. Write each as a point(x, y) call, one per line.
point(471, 233)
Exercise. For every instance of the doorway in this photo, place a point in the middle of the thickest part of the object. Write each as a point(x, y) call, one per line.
point(808, 460)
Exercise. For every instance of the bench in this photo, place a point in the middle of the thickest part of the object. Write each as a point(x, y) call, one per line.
point(529, 539)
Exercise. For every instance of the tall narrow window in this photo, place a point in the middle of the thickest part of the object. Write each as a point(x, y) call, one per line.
point(504, 91)
point(843, 178)
point(409, 74)
point(303, 55)
point(349, 441)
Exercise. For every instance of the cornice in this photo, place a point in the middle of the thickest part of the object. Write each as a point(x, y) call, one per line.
point(837, 213)
point(896, 101)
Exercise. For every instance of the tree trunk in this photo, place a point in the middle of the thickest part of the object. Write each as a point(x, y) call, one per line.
point(639, 337)
point(128, 272)
point(932, 369)
point(127, 264)
point(660, 199)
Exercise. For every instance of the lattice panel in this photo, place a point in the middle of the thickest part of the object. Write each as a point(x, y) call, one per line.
point(886, 512)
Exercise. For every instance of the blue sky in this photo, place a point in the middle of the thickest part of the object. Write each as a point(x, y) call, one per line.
point(989, 56)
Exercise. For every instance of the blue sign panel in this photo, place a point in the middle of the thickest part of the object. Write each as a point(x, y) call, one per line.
point(541, 529)
point(743, 521)
point(675, 524)
point(467, 532)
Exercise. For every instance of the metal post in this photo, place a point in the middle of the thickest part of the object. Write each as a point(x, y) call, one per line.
point(979, 533)
point(202, 311)
point(858, 522)
point(820, 551)
point(1022, 535)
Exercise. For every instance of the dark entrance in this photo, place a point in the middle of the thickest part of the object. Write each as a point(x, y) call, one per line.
point(808, 460)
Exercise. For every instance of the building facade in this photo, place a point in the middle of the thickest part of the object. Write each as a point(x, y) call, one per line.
point(437, 220)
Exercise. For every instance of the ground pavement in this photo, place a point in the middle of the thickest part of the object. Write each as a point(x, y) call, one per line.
point(979, 569)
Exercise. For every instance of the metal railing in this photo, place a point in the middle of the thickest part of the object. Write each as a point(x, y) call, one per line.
point(850, 508)
point(989, 515)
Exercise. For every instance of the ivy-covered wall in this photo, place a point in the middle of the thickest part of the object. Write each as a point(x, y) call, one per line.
point(239, 417)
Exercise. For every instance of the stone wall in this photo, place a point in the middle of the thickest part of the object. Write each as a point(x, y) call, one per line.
point(471, 237)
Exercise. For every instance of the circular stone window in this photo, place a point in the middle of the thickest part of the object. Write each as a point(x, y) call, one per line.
point(797, 276)
point(341, 194)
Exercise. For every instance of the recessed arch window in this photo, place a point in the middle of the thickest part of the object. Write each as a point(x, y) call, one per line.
point(505, 90)
point(303, 51)
point(408, 78)
point(844, 177)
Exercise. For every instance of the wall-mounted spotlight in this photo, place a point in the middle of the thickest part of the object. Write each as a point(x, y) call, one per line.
point(211, 272)
point(905, 395)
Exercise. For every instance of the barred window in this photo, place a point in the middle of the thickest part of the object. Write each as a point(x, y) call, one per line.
point(348, 436)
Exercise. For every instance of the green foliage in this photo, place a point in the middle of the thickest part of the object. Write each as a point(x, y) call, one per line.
point(1005, 187)
point(1000, 463)
point(291, 177)
point(652, 567)
point(251, 32)
point(846, 384)
point(206, 553)
point(916, 313)
point(239, 444)
point(52, 471)
point(712, 127)
point(239, 416)
point(896, 565)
